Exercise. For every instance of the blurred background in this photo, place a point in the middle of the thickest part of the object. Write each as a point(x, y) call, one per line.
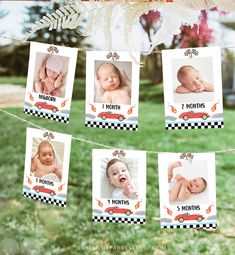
point(32, 228)
point(215, 28)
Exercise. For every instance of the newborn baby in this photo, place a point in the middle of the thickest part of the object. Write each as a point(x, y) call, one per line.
point(192, 81)
point(50, 76)
point(110, 89)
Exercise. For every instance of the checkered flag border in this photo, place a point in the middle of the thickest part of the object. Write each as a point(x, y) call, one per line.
point(119, 220)
point(199, 125)
point(46, 115)
point(118, 126)
point(197, 226)
point(44, 199)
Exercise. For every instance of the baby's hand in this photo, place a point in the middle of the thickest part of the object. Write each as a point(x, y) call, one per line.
point(58, 172)
point(183, 181)
point(45, 91)
point(177, 164)
point(178, 177)
point(128, 190)
point(201, 89)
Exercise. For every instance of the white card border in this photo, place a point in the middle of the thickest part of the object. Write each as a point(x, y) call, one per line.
point(167, 57)
point(58, 137)
point(71, 53)
point(97, 155)
point(91, 116)
point(163, 160)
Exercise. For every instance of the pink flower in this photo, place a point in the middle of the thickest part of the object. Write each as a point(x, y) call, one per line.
point(195, 36)
point(151, 21)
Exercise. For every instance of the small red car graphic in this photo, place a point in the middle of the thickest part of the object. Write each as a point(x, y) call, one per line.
point(44, 105)
point(116, 209)
point(193, 115)
point(188, 216)
point(110, 115)
point(44, 190)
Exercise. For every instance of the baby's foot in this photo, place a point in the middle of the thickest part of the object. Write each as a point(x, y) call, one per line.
point(177, 164)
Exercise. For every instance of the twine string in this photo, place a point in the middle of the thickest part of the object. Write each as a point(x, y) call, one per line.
point(85, 49)
point(92, 142)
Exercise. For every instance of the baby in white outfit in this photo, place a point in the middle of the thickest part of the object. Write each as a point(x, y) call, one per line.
point(118, 175)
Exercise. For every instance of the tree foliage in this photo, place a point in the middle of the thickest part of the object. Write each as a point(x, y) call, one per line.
point(14, 57)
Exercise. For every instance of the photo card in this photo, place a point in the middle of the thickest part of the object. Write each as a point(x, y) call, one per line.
point(46, 166)
point(119, 186)
point(50, 81)
point(112, 90)
point(187, 190)
point(193, 88)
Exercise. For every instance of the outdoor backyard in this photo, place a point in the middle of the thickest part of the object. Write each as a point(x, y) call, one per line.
point(30, 227)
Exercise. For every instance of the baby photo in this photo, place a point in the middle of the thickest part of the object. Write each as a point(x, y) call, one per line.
point(50, 81)
point(112, 82)
point(120, 179)
point(187, 182)
point(47, 159)
point(112, 90)
point(187, 190)
point(192, 80)
point(50, 74)
point(119, 186)
point(46, 166)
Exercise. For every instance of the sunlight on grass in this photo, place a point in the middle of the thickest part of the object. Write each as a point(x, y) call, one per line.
point(36, 228)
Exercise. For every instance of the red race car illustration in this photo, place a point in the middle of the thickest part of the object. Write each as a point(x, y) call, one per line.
point(188, 216)
point(193, 115)
point(44, 105)
point(44, 190)
point(116, 209)
point(110, 115)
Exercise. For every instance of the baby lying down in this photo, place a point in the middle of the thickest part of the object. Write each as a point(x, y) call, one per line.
point(180, 188)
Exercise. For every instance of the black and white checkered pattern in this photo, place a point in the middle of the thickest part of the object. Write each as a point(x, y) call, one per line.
point(118, 220)
point(199, 125)
point(209, 225)
point(46, 115)
point(48, 200)
point(119, 126)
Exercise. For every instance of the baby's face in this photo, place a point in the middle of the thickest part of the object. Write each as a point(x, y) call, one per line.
point(46, 155)
point(119, 175)
point(108, 78)
point(51, 73)
point(196, 185)
point(191, 79)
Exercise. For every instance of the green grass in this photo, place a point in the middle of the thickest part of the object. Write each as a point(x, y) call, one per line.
point(16, 80)
point(30, 227)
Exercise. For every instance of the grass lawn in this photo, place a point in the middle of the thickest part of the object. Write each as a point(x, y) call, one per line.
point(30, 227)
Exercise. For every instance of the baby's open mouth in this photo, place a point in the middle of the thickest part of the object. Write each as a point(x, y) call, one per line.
point(122, 179)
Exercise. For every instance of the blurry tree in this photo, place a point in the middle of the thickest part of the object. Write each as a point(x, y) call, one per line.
point(2, 15)
point(151, 22)
point(13, 59)
point(228, 62)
